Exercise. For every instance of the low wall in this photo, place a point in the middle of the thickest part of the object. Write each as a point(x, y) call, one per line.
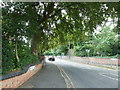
point(19, 80)
point(109, 62)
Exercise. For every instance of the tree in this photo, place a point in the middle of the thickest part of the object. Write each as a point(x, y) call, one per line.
point(58, 19)
point(47, 25)
point(104, 41)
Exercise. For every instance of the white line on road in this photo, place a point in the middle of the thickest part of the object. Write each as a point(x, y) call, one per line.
point(66, 77)
point(108, 76)
point(89, 68)
point(114, 74)
point(97, 66)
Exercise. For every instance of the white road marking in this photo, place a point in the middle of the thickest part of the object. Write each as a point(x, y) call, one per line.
point(89, 68)
point(114, 74)
point(102, 74)
point(91, 65)
point(66, 78)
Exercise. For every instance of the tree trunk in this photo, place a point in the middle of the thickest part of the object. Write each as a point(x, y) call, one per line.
point(37, 36)
point(16, 51)
point(16, 55)
point(35, 43)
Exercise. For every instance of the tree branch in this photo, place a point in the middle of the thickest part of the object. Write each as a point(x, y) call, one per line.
point(59, 11)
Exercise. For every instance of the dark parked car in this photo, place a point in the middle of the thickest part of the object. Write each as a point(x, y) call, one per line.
point(51, 59)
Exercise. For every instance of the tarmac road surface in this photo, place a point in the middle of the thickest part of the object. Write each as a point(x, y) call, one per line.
point(62, 74)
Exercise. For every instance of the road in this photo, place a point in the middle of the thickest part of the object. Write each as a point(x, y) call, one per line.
point(66, 74)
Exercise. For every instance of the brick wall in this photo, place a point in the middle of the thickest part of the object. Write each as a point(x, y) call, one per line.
point(90, 60)
point(19, 80)
point(107, 61)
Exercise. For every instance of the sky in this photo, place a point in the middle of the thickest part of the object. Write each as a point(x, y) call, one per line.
point(109, 23)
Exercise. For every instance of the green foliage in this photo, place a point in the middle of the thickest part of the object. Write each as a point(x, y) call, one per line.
point(14, 31)
point(103, 44)
point(26, 57)
point(60, 50)
point(35, 27)
point(10, 62)
point(80, 50)
point(104, 41)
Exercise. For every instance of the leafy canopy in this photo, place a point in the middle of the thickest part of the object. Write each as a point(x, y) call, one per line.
point(33, 26)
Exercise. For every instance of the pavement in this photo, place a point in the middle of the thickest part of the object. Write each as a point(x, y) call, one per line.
point(54, 75)
point(48, 77)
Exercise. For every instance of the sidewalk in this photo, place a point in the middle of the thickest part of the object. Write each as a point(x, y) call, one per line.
point(48, 77)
